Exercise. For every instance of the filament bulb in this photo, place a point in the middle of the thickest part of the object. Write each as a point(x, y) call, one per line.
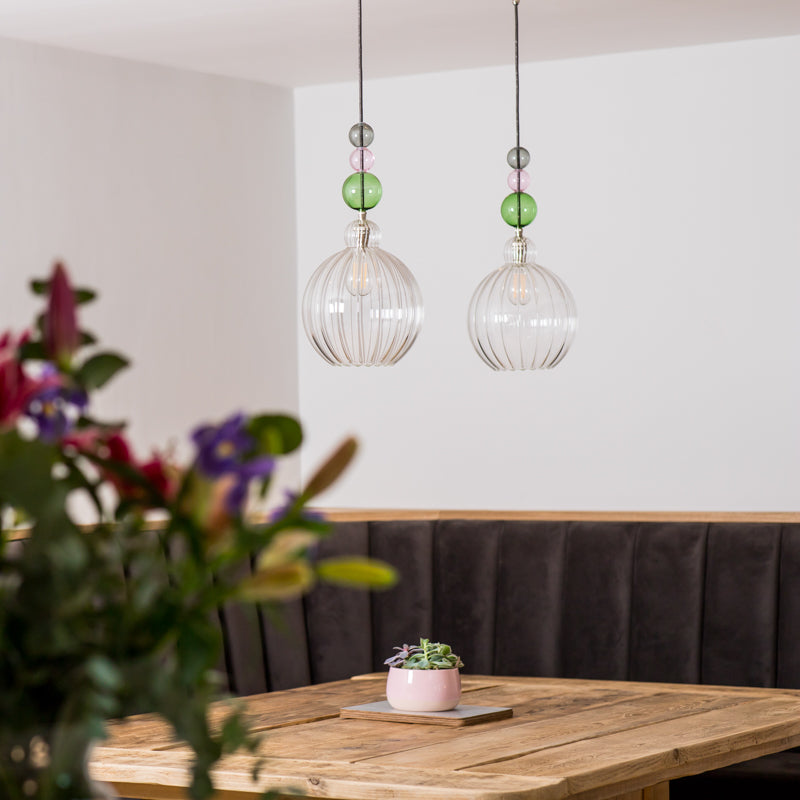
point(519, 290)
point(360, 282)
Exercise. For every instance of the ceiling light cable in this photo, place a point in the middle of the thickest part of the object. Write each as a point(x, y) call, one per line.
point(516, 77)
point(361, 96)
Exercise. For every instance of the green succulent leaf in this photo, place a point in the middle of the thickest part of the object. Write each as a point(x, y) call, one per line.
point(428, 655)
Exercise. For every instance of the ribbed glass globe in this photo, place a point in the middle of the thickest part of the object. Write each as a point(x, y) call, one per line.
point(362, 306)
point(522, 316)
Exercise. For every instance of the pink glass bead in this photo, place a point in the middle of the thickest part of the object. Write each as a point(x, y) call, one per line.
point(361, 159)
point(518, 180)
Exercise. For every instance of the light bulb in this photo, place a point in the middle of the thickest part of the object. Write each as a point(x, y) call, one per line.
point(522, 316)
point(362, 306)
point(518, 292)
point(360, 282)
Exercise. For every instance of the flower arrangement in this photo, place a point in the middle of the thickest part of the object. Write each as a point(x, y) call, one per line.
point(118, 619)
point(426, 655)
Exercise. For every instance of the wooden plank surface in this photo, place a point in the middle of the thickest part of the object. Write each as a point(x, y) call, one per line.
point(158, 774)
point(667, 749)
point(576, 739)
point(513, 741)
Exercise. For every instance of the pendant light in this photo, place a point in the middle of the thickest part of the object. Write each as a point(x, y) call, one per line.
point(521, 316)
point(362, 306)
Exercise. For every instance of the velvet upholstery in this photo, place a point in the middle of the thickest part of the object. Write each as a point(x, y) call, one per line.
point(666, 624)
point(530, 568)
point(693, 602)
point(741, 606)
point(339, 621)
point(399, 614)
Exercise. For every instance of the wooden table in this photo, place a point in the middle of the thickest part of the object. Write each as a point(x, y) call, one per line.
point(586, 740)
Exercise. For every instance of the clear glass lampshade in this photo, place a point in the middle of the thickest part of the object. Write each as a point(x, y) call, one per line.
point(362, 307)
point(522, 316)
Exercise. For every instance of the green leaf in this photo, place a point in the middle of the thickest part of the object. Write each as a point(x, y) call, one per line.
point(276, 434)
point(329, 472)
point(100, 369)
point(82, 294)
point(103, 673)
point(357, 572)
point(282, 582)
point(90, 422)
point(79, 480)
point(234, 733)
point(34, 351)
point(26, 472)
point(87, 338)
point(197, 648)
point(202, 786)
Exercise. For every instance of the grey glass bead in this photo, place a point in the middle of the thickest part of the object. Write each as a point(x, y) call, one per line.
point(522, 162)
point(361, 135)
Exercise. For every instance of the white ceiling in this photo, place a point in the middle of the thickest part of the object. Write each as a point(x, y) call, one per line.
point(303, 42)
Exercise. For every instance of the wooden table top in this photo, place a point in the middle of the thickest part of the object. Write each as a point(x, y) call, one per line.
point(583, 740)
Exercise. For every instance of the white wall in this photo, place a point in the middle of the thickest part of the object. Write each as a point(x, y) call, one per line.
point(173, 194)
point(667, 185)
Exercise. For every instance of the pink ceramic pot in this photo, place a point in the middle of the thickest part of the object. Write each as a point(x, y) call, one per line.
point(423, 689)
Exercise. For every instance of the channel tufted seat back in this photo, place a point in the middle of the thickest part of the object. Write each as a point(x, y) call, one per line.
point(715, 603)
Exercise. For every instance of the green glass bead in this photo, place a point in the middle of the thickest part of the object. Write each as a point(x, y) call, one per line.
point(518, 209)
point(351, 191)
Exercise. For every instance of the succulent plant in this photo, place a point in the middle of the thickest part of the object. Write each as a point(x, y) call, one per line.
point(426, 655)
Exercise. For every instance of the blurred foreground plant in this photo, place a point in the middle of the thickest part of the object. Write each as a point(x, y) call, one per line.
point(119, 619)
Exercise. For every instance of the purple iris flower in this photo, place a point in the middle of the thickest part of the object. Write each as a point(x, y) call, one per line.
point(257, 468)
point(55, 410)
point(220, 448)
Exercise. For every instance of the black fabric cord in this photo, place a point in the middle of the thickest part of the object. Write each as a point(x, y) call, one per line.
point(516, 75)
point(361, 100)
point(360, 70)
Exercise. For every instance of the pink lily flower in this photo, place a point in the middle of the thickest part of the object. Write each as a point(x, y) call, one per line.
point(16, 387)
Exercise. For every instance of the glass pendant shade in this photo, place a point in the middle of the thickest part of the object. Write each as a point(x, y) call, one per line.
point(522, 316)
point(362, 306)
